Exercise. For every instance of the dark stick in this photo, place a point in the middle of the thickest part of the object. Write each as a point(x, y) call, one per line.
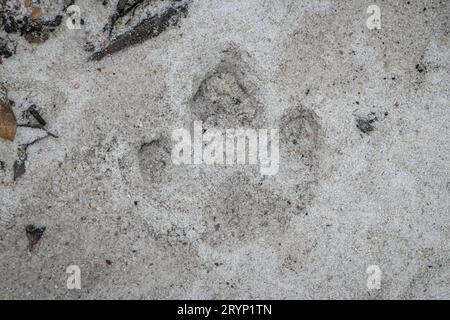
point(32, 110)
point(38, 126)
point(147, 29)
point(121, 11)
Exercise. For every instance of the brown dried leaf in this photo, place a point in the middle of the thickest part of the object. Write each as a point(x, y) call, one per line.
point(36, 13)
point(37, 37)
point(8, 122)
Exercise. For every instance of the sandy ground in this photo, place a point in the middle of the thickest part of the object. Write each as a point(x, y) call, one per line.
point(138, 226)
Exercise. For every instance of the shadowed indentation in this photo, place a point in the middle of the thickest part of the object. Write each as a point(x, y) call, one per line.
point(226, 96)
point(154, 159)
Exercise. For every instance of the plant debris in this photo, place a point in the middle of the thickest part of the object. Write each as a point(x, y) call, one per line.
point(122, 9)
point(32, 110)
point(33, 30)
point(148, 28)
point(365, 124)
point(22, 155)
point(420, 67)
point(19, 164)
point(27, 19)
point(34, 234)
point(8, 129)
point(8, 122)
point(7, 48)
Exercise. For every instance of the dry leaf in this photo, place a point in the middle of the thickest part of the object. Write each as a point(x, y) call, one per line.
point(36, 13)
point(37, 37)
point(34, 234)
point(8, 122)
point(27, 3)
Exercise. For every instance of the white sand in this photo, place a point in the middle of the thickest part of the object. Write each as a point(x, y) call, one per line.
point(353, 199)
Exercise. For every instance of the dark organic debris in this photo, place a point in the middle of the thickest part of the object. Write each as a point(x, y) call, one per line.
point(8, 121)
point(147, 29)
point(19, 164)
point(32, 110)
point(2, 165)
point(67, 4)
point(122, 9)
point(38, 126)
point(34, 234)
point(22, 155)
point(27, 20)
point(34, 31)
point(7, 48)
point(365, 124)
point(420, 67)
point(8, 128)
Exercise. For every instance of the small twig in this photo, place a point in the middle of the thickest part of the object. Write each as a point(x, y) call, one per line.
point(32, 110)
point(38, 126)
point(22, 152)
point(148, 28)
point(33, 126)
point(34, 141)
point(133, 7)
point(26, 145)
